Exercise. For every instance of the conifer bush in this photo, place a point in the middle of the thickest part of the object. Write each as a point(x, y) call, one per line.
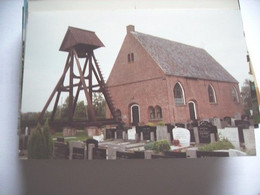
point(40, 144)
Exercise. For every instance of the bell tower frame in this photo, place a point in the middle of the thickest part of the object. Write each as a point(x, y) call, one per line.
point(87, 78)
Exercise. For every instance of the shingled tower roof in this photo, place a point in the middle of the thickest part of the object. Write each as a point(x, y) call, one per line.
point(182, 60)
point(82, 40)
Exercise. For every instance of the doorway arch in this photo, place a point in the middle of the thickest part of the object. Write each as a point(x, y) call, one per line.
point(192, 110)
point(135, 114)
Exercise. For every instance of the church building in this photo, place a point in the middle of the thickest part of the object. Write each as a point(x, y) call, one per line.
point(154, 79)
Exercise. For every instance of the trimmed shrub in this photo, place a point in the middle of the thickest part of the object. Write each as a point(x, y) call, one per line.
point(150, 124)
point(161, 146)
point(48, 143)
point(36, 144)
point(160, 123)
point(40, 143)
point(149, 146)
point(223, 144)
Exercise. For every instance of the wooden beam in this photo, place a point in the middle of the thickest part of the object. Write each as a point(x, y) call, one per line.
point(67, 65)
point(55, 105)
point(87, 95)
point(79, 85)
point(71, 91)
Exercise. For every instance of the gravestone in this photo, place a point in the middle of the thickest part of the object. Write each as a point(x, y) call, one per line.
point(228, 120)
point(204, 131)
point(60, 150)
point(183, 135)
point(238, 116)
point(169, 129)
point(249, 136)
point(241, 124)
point(110, 133)
point(131, 133)
point(217, 122)
point(91, 142)
point(99, 138)
point(144, 132)
point(119, 134)
point(190, 128)
point(162, 133)
point(69, 131)
point(77, 145)
point(230, 133)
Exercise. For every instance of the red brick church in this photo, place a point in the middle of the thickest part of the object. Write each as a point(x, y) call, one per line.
point(154, 79)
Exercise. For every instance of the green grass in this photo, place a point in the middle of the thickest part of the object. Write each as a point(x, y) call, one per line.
point(81, 136)
point(219, 145)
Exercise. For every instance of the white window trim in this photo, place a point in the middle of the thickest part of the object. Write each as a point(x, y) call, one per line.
point(195, 110)
point(183, 94)
point(234, 89)
point(132, 112)
point(214, 93)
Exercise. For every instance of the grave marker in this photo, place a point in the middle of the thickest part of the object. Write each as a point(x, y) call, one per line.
point(230, 133)
point(161, 133)
point(131, 133)
point(183, 135)
point(204, 131)
point(249, 136)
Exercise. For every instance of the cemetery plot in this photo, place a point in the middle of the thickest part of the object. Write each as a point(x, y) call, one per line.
point(203, 154)
point(110, 133)
point(99, 153)
point(249, 136)
point(230, 133)
point(162, 133)
point(131, 133)
point(60, 150)
point(183, 135)
point(204, 130)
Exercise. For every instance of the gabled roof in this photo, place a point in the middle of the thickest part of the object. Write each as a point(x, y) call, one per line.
point(182, 60)
point(78, 37)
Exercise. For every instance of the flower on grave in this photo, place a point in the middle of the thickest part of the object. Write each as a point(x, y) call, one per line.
point(176, 142)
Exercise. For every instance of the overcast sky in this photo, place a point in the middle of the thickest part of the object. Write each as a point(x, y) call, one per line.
point(218, 31)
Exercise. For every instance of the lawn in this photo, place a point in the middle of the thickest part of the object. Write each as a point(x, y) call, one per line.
point(81, 136)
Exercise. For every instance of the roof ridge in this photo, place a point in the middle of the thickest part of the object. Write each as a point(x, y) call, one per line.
point(168, 40)
point(179, 59)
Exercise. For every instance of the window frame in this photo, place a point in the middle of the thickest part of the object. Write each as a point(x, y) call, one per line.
point(180, 99)
point(213, 95)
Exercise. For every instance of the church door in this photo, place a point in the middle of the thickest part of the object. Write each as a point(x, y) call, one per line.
point(192, 109)
point(135, 114)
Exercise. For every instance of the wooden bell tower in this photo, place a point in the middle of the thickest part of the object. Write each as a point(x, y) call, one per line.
point(80, 44)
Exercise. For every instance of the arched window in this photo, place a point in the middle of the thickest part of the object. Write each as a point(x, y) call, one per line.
point(235, 95)
point(151, 113)
point(178, 94)
point(212, 95)
point(158, 112)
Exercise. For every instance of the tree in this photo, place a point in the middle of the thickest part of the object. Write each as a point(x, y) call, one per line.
point(36, 144)
point(246, 96)
point(80, 111)
point(48, 143)
point(99, 104)
point(40, 144)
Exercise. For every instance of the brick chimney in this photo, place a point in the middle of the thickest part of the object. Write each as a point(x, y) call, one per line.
point(130, 28)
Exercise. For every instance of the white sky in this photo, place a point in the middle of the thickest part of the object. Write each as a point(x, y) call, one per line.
point(218, 31)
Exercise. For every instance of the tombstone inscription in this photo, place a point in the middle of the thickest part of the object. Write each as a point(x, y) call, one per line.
point(183, 135)
point(204, 130)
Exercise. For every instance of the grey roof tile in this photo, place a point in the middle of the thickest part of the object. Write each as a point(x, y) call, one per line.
point(182, 60)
